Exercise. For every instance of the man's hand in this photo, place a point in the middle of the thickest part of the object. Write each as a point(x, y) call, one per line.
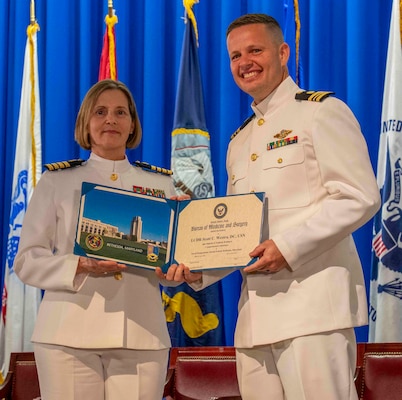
point(270, 259)
point(179, 273)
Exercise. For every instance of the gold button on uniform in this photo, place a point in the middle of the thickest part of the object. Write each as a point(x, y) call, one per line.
point(260, 121)
point(253, 157)
point(280, 160)
point(114, 177)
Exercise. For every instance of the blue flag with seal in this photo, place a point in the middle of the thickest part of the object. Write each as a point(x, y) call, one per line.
point(193, 318)
point(191, 156)
point(385, 312)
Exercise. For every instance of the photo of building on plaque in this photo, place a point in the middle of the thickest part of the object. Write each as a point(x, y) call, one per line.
point(124, 226)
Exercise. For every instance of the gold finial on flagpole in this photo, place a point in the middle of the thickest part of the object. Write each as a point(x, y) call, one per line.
point(32, 9)
point(110, 8)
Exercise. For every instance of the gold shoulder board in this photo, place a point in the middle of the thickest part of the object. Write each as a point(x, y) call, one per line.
point(64, 164)
point(311, 95)
point(242, 126)
point(148, 167)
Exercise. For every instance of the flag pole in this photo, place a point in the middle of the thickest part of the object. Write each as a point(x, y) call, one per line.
point(110, 8)
point(33, 19)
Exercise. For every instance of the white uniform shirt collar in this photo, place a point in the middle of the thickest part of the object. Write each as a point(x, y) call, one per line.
point(100, 163)
point(282, 94)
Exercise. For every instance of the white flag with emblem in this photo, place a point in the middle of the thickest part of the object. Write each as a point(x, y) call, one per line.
point(386, 279)
point(20, 302)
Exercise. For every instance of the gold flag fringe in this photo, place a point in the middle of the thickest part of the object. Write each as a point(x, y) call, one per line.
point(400, 19)
point(31, 30)
point(111, 22)
point(188, 5)
point(297, 38)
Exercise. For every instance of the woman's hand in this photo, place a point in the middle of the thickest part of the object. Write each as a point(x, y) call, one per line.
point(181, 197)
point(88, 265)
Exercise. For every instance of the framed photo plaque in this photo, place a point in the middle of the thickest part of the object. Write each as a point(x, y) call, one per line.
point(149, 232)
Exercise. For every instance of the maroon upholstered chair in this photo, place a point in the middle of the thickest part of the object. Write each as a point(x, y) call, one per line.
point(21, 382)
point(379, 371)
point(204, 373)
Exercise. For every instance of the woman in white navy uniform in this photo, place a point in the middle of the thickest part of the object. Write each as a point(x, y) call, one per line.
point(101, 330)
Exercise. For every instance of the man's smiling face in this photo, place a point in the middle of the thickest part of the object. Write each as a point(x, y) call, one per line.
point(257, 60)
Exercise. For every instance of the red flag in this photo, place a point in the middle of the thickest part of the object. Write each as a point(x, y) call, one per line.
point(108, 67)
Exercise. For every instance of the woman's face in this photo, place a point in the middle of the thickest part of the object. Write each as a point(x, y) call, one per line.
point(110, 124)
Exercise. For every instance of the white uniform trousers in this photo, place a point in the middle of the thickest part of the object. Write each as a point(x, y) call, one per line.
point(100, 374)
point(314, 367)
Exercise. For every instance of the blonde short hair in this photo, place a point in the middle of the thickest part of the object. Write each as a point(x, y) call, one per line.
point(81, 134)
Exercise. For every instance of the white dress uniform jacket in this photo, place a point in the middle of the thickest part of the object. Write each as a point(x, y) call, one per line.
point(320, 188)
point(95, 311)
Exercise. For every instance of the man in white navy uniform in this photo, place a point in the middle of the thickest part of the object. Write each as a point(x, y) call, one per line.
point(101, 331)
point(302, 298)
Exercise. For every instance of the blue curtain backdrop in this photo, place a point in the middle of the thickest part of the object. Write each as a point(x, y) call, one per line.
point(343, 48)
